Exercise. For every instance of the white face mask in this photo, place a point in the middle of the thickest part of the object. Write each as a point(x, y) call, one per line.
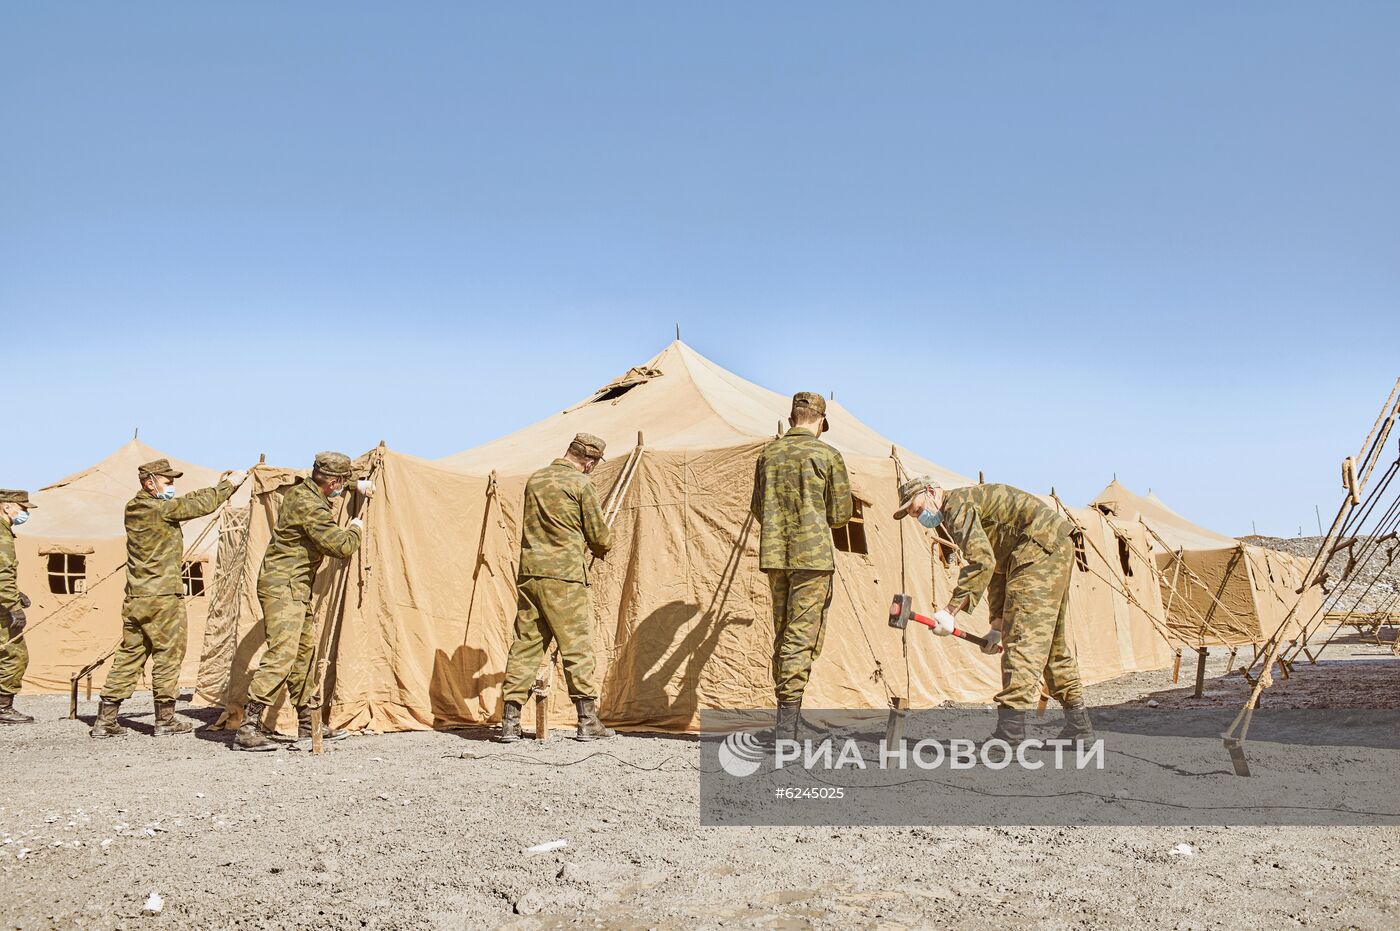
point(19, 518)
point(166, 493)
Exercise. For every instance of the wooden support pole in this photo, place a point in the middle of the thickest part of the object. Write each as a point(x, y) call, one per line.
point(1201, 653)
point(1230, 660)
point(1176, 668)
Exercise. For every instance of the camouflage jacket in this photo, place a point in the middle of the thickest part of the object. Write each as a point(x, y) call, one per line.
point(155, 545)
point(800, 492)
point(9, 568)
point(561, 515)
point(999, 528)
point(306, 533)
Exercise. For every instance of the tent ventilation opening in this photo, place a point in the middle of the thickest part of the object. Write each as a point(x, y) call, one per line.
point(1125, 558)
point(638, 375)
point(613, 393)
point(67, 573)
point(850, 538)
point(1081, 558)
point(193, 576)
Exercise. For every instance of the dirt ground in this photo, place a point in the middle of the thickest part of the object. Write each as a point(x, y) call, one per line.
point(430, 830)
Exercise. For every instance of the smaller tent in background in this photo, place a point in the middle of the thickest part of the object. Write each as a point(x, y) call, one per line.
point(1216, 590)
point(72, 564)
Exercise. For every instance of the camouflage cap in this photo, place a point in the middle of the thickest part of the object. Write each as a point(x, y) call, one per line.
point(335, 464)
point(586, 444)
point(911, 489)
point(15, 496)
point(814, 402)
point(159, 467)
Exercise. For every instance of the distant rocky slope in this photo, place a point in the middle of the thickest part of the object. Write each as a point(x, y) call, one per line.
point(1383, 595)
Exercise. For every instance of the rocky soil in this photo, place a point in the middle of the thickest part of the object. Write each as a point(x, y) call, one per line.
point(432, 830)
point(1375, 585)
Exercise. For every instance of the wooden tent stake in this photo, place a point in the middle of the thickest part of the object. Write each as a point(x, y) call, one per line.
point(894, 727)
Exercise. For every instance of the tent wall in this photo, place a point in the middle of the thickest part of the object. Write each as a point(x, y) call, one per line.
point(67, 632)
point(1216, 590)
point(681, 610)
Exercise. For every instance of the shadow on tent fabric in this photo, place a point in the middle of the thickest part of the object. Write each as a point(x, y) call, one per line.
point(657, 677)
point(460, 681)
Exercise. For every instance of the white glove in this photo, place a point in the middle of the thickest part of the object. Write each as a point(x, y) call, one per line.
point(944, 623)
point(365, 487)
point(357, 524)
point(993, 646)
point(236, 477)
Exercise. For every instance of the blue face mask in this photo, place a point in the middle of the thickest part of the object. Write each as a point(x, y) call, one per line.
point(167, 493)
point(337, 493)
point(930, 518)
point(19, 518)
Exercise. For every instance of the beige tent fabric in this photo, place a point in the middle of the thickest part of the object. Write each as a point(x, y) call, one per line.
point(1216, 590)
point(681, 611)
point(83, 515)
point(681, 400)
point(428, 602)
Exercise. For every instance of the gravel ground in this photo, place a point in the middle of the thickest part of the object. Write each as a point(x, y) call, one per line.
point(401, 831)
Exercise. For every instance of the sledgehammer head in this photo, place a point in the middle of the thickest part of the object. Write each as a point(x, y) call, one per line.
point(900, 610)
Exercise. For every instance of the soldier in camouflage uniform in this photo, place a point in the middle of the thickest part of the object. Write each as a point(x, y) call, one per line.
point(561, 518)
point(14, 654)
point(1019, 552)
point(305, 534)
point(154, 623)
point(801, 490)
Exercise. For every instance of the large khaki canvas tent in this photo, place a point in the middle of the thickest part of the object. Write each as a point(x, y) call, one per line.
point(72, 561)
point(681, 610)
point(1216, 591)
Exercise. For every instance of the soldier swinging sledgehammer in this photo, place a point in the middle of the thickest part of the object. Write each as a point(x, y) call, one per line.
point(1020, 555)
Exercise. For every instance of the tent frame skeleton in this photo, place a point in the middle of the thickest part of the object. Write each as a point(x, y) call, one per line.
point(1348, 519)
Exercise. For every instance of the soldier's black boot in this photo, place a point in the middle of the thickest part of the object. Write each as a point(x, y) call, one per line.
point(303, 741)
point(510, 723)
point(1011, 726)
point(8, 714)
point(106, 724)
point(789, 720)
point(1077, 724)
point(250, 735)
point(589, 727)
point(167, 724)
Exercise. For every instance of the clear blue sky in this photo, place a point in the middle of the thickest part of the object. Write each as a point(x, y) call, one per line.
point(1050, 241)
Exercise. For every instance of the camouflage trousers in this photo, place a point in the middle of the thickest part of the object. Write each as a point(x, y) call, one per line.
point(801, 598)
point(14, 658)
point(1033, 632)
point(292, 635)
point(154, 627)
point(547, 609)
